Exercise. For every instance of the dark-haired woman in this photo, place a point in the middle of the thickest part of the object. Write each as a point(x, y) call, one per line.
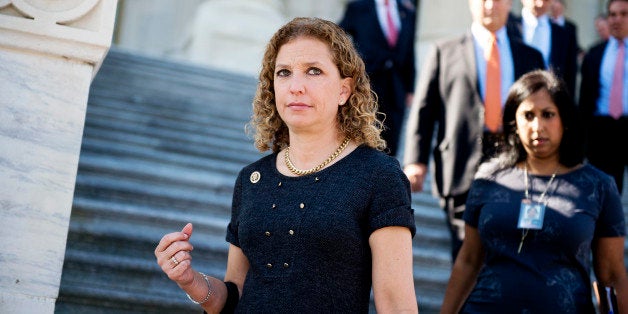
point(511, 264)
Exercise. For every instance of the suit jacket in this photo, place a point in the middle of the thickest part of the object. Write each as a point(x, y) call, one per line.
point(563, 59)
point(391, 69)
point(448, 95)
point(590, 79)
point(572, 31)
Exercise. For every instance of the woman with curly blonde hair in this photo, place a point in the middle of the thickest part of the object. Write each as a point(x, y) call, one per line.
point(325, 218)
point(357, 119)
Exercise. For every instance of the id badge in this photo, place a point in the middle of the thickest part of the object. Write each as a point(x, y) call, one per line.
point(531, 215)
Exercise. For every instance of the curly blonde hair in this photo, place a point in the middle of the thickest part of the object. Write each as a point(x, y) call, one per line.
point(357, 119)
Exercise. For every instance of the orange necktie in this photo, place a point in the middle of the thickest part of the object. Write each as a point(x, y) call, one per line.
point(492, 95)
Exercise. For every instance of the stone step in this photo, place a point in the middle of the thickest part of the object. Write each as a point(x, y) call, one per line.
point(186, 199)
point(174, 83)
point(96, 148)
point(174, 117)
point(135, 68)
point(171, 141)
point(161, 108)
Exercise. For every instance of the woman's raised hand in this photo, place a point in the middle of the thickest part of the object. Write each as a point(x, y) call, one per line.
point(173, 255)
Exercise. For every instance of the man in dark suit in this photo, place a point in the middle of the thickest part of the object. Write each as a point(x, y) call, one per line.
point(390, 65)
point(557, 14)
point(450, 95)
point(558, 47)
point(607, 131)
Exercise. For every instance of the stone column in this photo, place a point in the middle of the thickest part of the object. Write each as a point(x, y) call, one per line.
point(49, 52)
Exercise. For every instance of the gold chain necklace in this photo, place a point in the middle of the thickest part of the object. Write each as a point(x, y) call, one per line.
point(300, 172)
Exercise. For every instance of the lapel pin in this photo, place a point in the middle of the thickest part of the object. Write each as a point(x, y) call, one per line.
point(255, 176)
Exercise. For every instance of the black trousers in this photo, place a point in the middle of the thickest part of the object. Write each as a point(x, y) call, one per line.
point(606, 146)
point(454, 206)
point(454, 209)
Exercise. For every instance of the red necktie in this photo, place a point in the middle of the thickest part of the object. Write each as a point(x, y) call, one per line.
point(615, 103)
point(492, 95)
point(390, 24)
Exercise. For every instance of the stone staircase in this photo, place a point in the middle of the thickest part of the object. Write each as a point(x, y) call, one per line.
point(162, 145)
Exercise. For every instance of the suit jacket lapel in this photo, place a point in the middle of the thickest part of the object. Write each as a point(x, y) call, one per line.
point(557, 46)
point(405, 32)
point(373, 11)
point(468, 55)
point(517, 60)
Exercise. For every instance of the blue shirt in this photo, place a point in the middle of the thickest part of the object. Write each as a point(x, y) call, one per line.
point(506, 65)
point(606, 76)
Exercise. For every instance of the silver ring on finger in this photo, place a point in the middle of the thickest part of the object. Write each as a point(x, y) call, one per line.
point(174, 260)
